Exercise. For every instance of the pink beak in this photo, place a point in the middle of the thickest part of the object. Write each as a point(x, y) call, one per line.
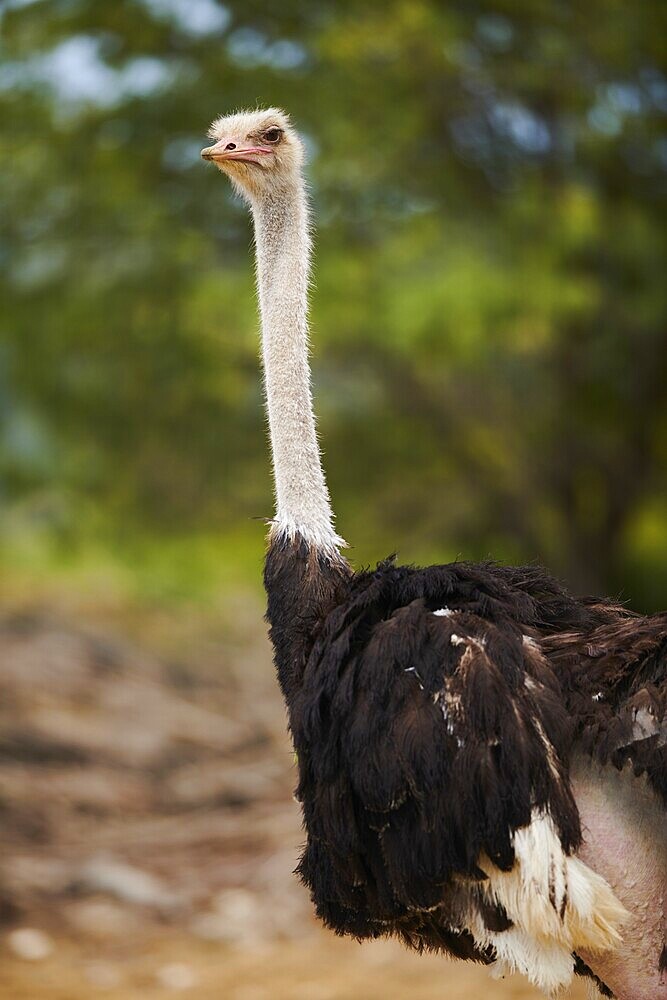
point(229, 150)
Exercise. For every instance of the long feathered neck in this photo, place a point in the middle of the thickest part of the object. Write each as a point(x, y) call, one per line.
point(283, 268)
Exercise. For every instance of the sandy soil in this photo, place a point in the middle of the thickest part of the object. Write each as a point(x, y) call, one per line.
point(317, 969)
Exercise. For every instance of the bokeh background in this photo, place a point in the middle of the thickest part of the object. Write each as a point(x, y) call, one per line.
point(490, 362)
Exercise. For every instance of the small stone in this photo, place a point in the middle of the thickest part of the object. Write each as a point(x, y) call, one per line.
point(176, 976)
point(125, 882)
point(29, 943)
point(238, 917)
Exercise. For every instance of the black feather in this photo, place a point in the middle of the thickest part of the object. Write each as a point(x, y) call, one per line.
point(425, 741)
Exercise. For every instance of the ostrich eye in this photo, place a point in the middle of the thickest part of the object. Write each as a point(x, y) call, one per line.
point(273, 135)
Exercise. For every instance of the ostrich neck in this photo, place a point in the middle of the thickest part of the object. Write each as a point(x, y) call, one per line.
point(283, 268)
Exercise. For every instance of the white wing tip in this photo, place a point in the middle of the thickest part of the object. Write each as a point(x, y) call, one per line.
point(557, 904)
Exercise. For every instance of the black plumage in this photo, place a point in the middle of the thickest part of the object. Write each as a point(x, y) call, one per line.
point(432, 712)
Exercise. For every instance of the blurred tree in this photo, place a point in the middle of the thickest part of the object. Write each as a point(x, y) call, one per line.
point(491, 350)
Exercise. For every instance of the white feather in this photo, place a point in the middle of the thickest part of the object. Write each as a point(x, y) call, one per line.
point(556, 903)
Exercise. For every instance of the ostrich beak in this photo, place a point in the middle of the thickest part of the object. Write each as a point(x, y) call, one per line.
point(229, 150)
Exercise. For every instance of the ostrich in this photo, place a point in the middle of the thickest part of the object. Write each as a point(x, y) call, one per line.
point(482, 756)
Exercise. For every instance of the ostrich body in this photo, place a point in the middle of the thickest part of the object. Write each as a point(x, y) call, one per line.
point(482, 757)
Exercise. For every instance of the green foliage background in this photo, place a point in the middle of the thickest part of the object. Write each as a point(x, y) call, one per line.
point(490, 347)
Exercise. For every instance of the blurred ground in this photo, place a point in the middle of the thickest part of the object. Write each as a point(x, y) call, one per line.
point(148, 830)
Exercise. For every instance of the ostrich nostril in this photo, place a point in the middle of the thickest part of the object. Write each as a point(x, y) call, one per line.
point(230, 145)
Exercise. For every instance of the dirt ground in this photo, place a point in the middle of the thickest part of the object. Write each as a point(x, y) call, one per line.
point(317, 969)
point(148, 832)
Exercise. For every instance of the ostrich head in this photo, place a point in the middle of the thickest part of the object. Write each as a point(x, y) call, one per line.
point(258, 150)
